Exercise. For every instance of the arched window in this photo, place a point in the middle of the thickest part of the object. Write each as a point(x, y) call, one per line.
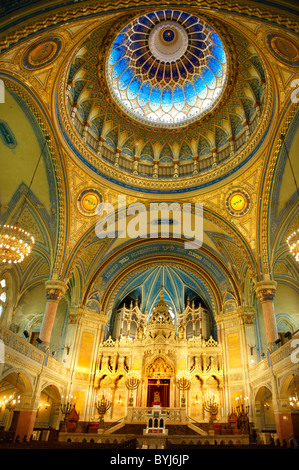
point(2, 295)
point(197, 328)
point(189, 330)
point(133, 327)
point(125, 328)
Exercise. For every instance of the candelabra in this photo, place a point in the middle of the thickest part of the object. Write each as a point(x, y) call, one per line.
point(183, 383)
point(211, 406)
point(132, 382)
point(66, 409)
point(102, 407)
point(242, 412)
point(11, 403)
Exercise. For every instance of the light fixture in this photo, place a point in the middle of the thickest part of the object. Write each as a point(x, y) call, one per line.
point(14, 399)
point(293, 244)
point(293, 238)
point(293, 399)
point(15, 242)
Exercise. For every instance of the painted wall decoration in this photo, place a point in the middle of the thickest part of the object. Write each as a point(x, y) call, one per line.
point(42, 53)
point(283, 49)
point(7, 135)
point(237, 202)
point(88, 201)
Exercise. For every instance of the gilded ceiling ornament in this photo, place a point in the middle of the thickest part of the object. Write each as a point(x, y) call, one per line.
point(167, 68)
point(42, 53)
point(237, 202)
point(88, 200)
point(284, 49)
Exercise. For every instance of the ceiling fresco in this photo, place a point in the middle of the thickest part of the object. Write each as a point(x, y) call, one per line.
point(158, 104)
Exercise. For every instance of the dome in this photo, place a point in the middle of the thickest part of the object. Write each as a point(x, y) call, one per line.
point(167, 67)
point(125, 145)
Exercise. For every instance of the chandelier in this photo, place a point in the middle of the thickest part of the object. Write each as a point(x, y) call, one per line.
point(293, 239)
point(15, 242)
point(293, 244)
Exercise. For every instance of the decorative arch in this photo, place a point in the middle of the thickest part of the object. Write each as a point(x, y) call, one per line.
point(117, 283)
point(159, 367)
point(18, 378)
point(57, 165)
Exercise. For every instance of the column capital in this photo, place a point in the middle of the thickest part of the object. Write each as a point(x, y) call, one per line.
point(265, 290)
point(55, 289)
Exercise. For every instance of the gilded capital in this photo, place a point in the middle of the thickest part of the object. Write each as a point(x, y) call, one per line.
point(265, 290)
point(55, 290)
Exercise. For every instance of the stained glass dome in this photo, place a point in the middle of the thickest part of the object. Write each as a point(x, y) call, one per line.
point(167, 68)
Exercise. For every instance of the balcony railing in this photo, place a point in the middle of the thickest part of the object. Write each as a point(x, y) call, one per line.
point(283, 353)
point(14, 343)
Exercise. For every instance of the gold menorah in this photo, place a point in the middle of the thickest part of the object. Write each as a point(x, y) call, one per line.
point(102, 407)
point(183, 383)
point(132, 382)
point(66, 410)
point(211, 406)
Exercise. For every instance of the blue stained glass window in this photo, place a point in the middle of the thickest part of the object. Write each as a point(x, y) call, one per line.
point(120, 40)
point(164, 90)
point(218, 53)
point(209, 78)
point(215, 66)
point(120, 67)
point(125, 78)
point(189, 91)
point(156, 95)
point(144, 94)
point(190, 94)
point(199, 84)
point(116, 54)
point(133, 88)
point(167, 100)
point(216, 39)
point(155, 99)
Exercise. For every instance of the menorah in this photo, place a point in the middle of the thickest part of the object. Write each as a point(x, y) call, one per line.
point(211, 406)
point(132, 382)
point(183, 383)
point(242, 412)
point(66, 410)
point(102, 407)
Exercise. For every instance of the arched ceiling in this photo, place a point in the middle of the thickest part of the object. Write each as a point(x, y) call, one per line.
point(55, 56)
point(218, 135)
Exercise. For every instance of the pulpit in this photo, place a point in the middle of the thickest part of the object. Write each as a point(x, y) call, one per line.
point(72, 421)
point(156, 421)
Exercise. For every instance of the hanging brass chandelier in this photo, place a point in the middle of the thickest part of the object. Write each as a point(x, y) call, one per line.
point(293, 244)
point(15, 242)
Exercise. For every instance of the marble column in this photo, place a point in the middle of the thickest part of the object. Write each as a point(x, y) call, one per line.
point(55, 291)
point(265, 292)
